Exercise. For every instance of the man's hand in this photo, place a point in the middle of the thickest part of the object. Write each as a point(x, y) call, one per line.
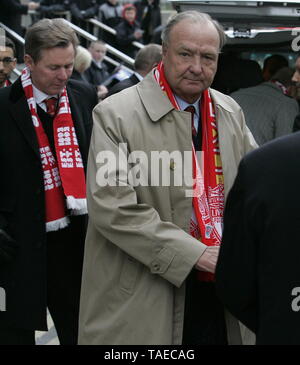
point(138, 34)
point(208, 260)
point(33, 5)
point(8, 247)
point(102, 91)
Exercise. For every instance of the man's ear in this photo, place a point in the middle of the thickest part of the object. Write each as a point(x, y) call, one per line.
point(14, 63)
point(28, 60)
point(164, 49)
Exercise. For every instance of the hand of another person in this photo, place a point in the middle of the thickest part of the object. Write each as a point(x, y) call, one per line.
point(102, 91)
point(138, 34)
point(33, 5)
point(208, 260)
point(8, 247)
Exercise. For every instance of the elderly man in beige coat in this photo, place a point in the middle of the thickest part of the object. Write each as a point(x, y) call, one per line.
point(142, 248)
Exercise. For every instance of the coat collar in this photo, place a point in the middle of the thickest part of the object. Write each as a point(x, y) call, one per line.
point(158, 104)
point(154, 99)
point(21, 114)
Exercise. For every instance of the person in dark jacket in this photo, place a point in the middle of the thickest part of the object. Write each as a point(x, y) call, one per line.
point(146, 59)
point(44, 141)
point(11, 12)
point(258, 271)
point(7, 62)
point(53, 8)
point(97, 73)
point(128, 31)
point(295, 92)
point(81, 10)
point(149, 16)
point(110, 13)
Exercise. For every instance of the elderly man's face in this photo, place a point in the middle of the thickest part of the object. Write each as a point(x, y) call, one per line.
point(7, 64)
point(190, 58)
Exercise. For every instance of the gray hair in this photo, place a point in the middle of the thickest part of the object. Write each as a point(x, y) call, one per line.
point(195, 17)
point(49, 33)
point(147, 57)
point(82, 60)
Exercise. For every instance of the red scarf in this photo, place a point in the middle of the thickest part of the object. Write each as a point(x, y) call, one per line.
point(64, 179)
point(208, 190)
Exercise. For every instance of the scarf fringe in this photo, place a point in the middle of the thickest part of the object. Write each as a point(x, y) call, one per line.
point(57, 224)
point(77, 206)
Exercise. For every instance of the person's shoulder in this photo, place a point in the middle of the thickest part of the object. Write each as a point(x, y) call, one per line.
point(121, 103)
point(5, 95)
point(80, 86)
point(279, 150)
point(224, 101)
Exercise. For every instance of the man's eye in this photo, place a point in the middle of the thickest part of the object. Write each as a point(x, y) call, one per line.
point(184, 54)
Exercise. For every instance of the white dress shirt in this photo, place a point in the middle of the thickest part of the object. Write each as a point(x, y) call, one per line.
point(40, 96)
point(183, 104)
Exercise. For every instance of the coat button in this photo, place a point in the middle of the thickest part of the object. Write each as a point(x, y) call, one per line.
point(172, 165)
point(156, 267)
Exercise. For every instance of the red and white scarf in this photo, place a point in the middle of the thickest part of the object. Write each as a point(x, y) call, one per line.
point(64, 179)
point(208, 190)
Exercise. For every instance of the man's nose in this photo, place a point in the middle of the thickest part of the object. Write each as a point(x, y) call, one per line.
point(196, 65)
point(1, 65)
point(63, 74)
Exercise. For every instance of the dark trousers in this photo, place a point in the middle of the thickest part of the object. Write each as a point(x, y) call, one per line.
point(65, 250)
point(204, 321)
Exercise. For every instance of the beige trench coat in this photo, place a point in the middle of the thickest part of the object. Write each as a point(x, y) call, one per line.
point(138, 250)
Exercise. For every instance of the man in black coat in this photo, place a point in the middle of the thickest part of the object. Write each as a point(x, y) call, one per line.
point(11, 12)
point(41, 262)
point(97, 73)
point(53, 8)
point(258, 271)
point(146, 59)
point(149, 16)
point(128, 31)
point(81, 10)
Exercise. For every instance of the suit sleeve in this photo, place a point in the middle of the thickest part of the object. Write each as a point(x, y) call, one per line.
point(236, 267)
point(285, 117)
point(12, 6)
point(115, 211)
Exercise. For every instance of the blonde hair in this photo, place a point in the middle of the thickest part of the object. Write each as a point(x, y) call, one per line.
point(82, 60)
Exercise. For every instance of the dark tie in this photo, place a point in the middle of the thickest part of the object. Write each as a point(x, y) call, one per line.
point(51, 106)
point(191, 109)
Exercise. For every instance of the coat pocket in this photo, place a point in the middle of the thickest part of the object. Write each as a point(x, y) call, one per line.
point(129, 274)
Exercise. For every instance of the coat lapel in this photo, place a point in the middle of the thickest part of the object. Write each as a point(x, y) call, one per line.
point(21, 115)
point(74, 100)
